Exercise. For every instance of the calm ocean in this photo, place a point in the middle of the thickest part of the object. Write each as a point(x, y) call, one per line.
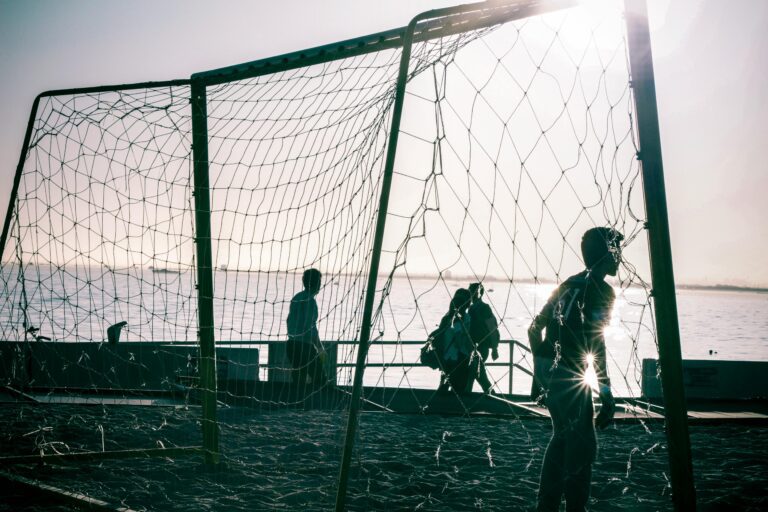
point(161, 306)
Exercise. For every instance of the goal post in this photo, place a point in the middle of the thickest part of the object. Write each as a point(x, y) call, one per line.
point(158, 236)
point(665, 303)
point(202, 195)
point(60, 259)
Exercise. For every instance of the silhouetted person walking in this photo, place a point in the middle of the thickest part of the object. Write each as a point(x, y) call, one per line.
point(575, 317)
point(454, 346)
point(304, 348)
point(484, 331)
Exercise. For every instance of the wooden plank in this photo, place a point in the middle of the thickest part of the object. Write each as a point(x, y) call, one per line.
point(75, 499)
point(530, 407)
point(106, 400)
point(726, 415)
point(18, 394)
point(634, 411)
point(367, 402)
point(65, 458)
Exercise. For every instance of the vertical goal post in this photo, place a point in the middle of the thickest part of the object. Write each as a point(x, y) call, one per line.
point(663, 280)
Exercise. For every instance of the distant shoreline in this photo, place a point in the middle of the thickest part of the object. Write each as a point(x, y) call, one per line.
point(447, 276)
point(721, 288)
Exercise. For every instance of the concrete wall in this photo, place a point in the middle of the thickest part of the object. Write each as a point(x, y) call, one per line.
point(713, 379)
point(144, 366)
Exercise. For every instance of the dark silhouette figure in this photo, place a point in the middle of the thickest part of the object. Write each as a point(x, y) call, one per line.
point(114, 330)
point(575, 317)
point(304, 349)
point(454, 345)
point(484, 331)
point(32, 331)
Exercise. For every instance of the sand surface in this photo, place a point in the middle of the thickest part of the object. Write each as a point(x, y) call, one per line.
point(289, 460)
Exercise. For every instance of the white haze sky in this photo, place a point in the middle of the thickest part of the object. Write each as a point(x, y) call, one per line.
point(711, 75)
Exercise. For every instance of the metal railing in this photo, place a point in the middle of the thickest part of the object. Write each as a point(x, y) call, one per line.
point(274, 357)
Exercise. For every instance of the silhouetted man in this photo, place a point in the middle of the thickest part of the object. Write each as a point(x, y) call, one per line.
point(574, 318)
point(484, 331)
point(304, 347)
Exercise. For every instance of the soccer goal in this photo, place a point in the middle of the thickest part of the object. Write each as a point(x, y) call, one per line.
point(156, 307)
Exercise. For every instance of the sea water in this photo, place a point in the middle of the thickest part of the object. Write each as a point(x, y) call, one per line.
point(78, 304)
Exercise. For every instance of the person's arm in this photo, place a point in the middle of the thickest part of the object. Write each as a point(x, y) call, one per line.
point(599, 363)
point(608, 404)
point(541, 365)
point(312, 327)
point(535, 333)
point(496, 337)
point(600, 320)
point(492, 328)
point(535, 338)
point(293, 319)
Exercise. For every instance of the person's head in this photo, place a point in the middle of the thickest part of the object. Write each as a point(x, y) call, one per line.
point(476, 291)
point(461, 300)
point(311, 280)
point(601, 249)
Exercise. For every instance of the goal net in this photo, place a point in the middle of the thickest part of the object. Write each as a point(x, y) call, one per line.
point(516, 135)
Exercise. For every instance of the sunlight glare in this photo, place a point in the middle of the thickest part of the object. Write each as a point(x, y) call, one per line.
point(590, 377)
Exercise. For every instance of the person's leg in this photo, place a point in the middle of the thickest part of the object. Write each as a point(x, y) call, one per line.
point(314, 365)
point(552, 480)
point(303, 358)
point(293, 351)
point(482, 373)
point(580, 452)
point(459, 377)
point(542, 375)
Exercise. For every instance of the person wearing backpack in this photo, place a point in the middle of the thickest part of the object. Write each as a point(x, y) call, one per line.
point(574, 318)
point(454, 345)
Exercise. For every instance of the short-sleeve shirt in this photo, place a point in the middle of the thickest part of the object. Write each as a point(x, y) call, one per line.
point(575, 316)
point(302, 318)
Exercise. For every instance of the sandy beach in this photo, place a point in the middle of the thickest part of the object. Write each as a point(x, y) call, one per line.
point(288, 460)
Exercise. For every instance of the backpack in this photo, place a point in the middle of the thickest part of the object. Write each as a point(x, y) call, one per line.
point(429, 352)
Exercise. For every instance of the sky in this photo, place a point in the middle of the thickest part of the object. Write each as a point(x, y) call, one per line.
point(709, 59)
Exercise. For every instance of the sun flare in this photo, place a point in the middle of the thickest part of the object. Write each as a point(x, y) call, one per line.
point(590, 376)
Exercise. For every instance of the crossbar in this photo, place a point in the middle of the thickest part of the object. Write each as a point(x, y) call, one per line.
point(483, 16)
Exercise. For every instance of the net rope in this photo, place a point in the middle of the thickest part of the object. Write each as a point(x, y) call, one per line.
point(514, 140)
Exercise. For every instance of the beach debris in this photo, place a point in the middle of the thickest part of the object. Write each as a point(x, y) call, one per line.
point(443, 439)
point(427, 500)
point(33, 332)
point(39, 430)
point(113, 332)
point(100, 428)
point(652, 448)
point(489, 455)
point(668, 486)
point(629, 460)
